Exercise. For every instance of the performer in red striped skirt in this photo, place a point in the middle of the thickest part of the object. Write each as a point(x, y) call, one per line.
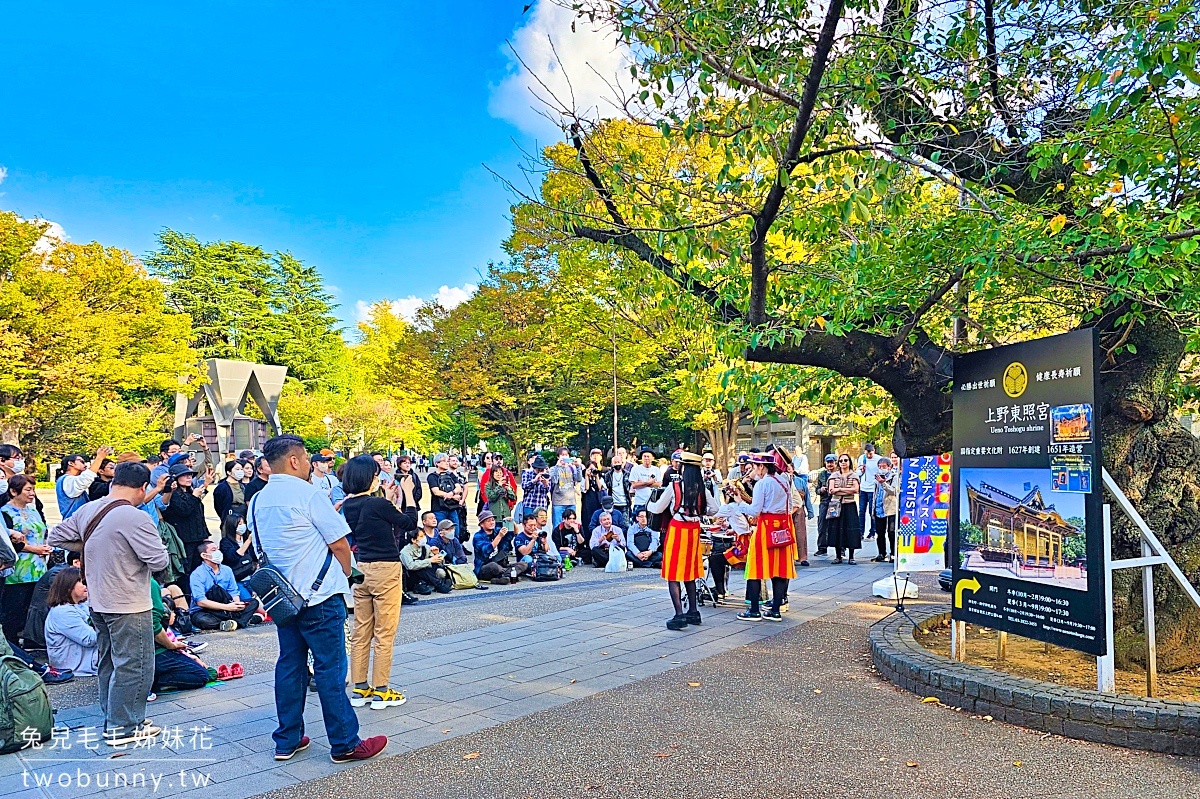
point(687, 500)
point(768, 558)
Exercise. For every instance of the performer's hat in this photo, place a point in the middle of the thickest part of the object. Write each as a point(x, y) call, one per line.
point(690, 458)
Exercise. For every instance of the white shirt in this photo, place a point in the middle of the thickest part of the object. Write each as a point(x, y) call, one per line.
point(641, 496)
point(868, 468)
point(731, 512)
point(75, 484)
point(294, 524)
point(771, 495)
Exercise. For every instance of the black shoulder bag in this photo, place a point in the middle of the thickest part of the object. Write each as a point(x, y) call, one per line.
point(279, 598)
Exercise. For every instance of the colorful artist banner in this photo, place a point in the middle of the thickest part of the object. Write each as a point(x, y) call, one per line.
point(924, 514)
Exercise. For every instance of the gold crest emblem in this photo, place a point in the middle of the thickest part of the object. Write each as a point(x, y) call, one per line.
point(1015, 379)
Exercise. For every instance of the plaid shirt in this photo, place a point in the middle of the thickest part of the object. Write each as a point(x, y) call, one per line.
point(536, 495)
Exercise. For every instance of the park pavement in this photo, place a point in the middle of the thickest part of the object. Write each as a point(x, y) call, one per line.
point(458, 684)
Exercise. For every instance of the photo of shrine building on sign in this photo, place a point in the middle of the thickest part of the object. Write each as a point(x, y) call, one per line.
point(1006, 528)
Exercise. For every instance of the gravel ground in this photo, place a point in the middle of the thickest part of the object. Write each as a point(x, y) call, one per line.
point(256, 648)
point(823, 725)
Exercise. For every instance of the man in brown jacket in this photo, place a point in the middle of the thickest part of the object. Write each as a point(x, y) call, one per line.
point(121, 549)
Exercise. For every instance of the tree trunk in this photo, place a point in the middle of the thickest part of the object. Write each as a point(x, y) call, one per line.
point(10, 433)
point(723, 440)
point(1154, 459)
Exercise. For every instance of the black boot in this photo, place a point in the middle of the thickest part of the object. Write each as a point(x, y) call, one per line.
point(692, 616)
point(677, 622)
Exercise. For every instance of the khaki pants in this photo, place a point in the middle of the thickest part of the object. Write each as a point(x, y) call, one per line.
point(376, 614)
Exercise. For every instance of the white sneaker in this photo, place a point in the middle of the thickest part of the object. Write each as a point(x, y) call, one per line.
point(228, 626)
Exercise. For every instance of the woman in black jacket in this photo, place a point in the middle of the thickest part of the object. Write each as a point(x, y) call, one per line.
point(378, 528)
point(185, 512)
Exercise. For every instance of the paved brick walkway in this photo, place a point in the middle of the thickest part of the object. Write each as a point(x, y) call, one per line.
point(484, 677)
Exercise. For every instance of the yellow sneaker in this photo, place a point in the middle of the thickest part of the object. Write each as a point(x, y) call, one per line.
point(360, 696)
point(386, 697)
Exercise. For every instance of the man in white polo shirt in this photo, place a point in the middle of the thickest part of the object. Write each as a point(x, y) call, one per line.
point(296, 527)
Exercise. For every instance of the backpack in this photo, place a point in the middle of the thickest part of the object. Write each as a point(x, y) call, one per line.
point(24, 703)
point(546, 568)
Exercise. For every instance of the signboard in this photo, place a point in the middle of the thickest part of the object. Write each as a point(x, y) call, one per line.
point(1025, 521)
point(924, 514)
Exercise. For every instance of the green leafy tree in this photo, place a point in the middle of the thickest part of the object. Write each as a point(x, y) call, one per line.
point(248, 304)
point(882, 186)
point(92, 352)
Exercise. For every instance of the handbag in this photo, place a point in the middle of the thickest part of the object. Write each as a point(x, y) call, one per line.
point(462, 575)
point(279, 598)
point(779, 537)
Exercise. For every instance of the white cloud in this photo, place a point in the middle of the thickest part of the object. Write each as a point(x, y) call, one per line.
point(3, 172)
point(578, 70)
point(406, 307)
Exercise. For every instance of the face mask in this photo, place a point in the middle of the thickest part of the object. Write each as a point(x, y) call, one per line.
point(241, 529)
point(420, 540)
point(239, 474)
point(3, 487)
point(216, 556)
point(19, 466)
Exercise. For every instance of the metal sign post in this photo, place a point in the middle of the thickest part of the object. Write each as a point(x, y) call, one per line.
point(1153, 554)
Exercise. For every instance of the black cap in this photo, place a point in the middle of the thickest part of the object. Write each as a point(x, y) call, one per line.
point(180, 469)
point(319, 458)
point(539, 462)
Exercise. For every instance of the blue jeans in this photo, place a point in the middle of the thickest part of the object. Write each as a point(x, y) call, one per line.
point(177, 670)
point(556, 515)
point(451, 515)
point(320, 629)
point(865, 501)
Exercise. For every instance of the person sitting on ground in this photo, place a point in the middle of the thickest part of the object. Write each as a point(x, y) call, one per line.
point(70, 636)
point(174, 664)
point(643, 543)
point(493, 548)
point(569, 539)
point(35, 619)
point(606, 506)
point(448, 544)
point(216, 602)
point(604, 538)
point(532, 540)
point(237, 550)
point(420, 567)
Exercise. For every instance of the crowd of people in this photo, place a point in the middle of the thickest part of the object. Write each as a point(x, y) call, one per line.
point(121, 585)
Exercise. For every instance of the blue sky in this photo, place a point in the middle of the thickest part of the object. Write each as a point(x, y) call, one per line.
point(352, 134)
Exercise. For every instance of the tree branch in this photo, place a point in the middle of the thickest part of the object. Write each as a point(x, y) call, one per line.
point(774, 201)
point(634, 244)
point(930, 301)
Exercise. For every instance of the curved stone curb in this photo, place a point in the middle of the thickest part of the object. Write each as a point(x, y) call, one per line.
point(1157, 725)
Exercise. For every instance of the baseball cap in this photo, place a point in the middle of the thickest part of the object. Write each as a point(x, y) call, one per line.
point(320, 458)
point(446, 524)
point(831, 458)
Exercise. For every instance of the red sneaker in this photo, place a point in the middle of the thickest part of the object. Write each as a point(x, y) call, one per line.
point(300, 747)
point(222, 672)
point(366, 749)
point(236, 671)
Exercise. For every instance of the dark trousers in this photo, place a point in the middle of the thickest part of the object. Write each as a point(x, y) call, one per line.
point(653, 562)
point(600, 557)
point(718, 567)
point(176, 670)
point(205, 619)
point(823, 528)
point(191, 553)
point(499, 573)
point(885, 529)
point(321, 630)
point(15, 602)
point(426, 581)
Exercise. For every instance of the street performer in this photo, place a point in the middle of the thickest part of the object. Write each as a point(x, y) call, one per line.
point(772, 551)
point(688, 500)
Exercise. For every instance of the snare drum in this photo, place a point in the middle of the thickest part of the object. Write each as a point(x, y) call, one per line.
point(706, 544)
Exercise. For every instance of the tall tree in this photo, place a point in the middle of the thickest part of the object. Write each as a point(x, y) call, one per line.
point(870, 188)
point(91, 350)
point(252, 305)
